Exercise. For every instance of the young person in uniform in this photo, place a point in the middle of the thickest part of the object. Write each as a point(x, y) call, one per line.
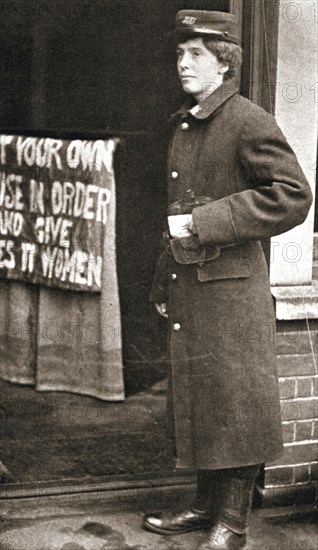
point(233, 181)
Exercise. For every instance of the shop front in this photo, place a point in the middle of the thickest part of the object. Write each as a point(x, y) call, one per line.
point(82, 363)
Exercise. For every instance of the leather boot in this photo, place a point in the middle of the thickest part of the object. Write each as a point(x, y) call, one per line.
point(199, 516)
point(210, 492)
point(177, 523)
point(229, 533)
point(222, 538)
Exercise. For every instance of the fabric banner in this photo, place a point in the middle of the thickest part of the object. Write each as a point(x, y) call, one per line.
point(57, 338)
point(54, 201)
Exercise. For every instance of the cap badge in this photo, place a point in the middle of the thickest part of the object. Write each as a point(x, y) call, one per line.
point(188, 20)
point(196, 109)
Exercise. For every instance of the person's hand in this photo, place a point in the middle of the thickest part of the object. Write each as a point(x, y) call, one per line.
point(162, 310)
point(190, 225)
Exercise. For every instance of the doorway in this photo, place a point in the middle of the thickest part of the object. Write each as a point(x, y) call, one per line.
point(103, 68)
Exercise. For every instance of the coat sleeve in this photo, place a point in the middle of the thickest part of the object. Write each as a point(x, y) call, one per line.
point(277, 195)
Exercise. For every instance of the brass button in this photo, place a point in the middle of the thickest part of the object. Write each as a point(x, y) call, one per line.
point(174, 175)
point(174, 276)
point(184, 126)
point(176, 327)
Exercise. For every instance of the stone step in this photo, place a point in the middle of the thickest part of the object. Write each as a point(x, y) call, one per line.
point(296, 302)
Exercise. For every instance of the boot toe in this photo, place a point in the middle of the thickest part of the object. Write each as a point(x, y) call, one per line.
point(176, 523)
point(222, 538)
point(153, 521)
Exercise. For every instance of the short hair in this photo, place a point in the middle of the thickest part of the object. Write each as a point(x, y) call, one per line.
point(226, 52)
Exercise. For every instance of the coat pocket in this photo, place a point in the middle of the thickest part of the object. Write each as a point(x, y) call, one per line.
point(187, 250)
point(232, 263)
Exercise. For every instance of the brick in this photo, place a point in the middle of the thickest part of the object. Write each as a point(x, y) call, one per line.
point(287, 388)
point(297, 454)
point(293, 337)
point(295, 365)
point(303, 431)
point(288, 432)
point(293, 342)
point(304, 386)
point(315, 435)
point(298, 409)
point(314, 471)
point(315, 388)
point(279, 476)
point(301, 473)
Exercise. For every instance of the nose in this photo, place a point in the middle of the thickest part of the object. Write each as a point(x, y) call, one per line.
point(184, 61)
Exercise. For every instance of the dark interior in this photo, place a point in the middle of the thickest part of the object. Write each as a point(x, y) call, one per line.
point(90, 65)
point(105, 67)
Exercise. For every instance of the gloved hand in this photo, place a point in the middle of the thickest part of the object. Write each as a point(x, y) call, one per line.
point(191, 227)
point(179, 226)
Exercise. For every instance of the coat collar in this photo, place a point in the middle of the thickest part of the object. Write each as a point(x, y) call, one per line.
point(210, 104)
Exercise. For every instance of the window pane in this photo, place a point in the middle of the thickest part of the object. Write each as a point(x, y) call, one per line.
point(92, 64)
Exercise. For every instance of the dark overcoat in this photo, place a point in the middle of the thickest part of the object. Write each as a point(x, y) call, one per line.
point(223, 379)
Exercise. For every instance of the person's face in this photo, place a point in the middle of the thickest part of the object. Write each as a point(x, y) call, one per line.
point(199, 70)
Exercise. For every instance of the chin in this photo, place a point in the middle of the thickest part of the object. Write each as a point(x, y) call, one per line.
point(189, 90)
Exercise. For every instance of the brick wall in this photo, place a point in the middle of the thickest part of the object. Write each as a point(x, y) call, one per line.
point(297, 350)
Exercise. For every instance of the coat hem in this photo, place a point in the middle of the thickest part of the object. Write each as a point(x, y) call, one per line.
point(181, 465)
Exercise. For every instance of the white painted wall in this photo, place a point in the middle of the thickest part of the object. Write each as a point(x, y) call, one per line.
point(296, 114)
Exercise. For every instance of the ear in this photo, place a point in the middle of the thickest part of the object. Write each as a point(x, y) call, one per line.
point(223, 68)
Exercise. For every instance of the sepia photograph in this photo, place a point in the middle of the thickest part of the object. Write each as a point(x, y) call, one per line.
point(158, 275)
